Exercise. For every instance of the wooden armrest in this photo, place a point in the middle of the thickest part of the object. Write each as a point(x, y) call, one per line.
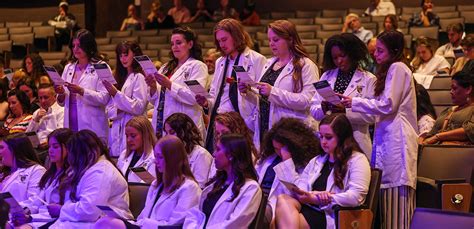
point(360, 219)
point(456, 197)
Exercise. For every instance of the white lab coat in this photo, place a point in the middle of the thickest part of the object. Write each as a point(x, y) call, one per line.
point(200, 162)
point(145, 161)
point(434, 64)
point(180, 99)
point(361, 85)
point(54, 119)
point(170, 208)
point(50, 194)
point(238, 213)
point(395, 136)
point(101, 184)
point(284, 102)
point(277, 187)
point(129, 102)
point(90, 106)
point(253, 62)
point(23, 183)
point(356, 181)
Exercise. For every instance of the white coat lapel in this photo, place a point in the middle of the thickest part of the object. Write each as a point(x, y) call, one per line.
point(264, 167)
point(330, 182)
point(86, 73)
point(287, 71)
point(70, 72)
point(11, 178)
point(182, 71)
point(265, 67)
point(317, 169)
point(355, 83)
point(225, 197)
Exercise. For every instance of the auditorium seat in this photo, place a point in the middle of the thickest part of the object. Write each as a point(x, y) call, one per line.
point(302, 21)
point(52, 55)
point(116, 40)
point(4, 37)
point(6, 46)
point(102, 41)
point(440, 97)
point(441, 83)
point(16, 24)
point(327, 34)
point(462, 8)
point(35, 23)
point(332, 27)
point(359, 12)
point(468, 16)
point(159, 46)
point(109, 47)
point(282, 15)
point(431, 32)
point(140, 33)
point(327, 13)
point(332, 20)
point(410, 10)
point(436, 219)
point(138, 193)
point(307, 28)
point(306, 35)
point(20, 30)
point(125, 33)
point(151, 53)
point(3, 30)
point(154, 39)
point(43, 35)
point(442, 9)
point(445, 22)
point(448, 14)
point(307, 14)
point(314, 41)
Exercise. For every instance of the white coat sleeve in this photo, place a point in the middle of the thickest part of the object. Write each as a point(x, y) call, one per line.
point(388, 102)
point(181, 92)
point(136, 104)
point(363, 118)
point(98, 97)
point(195, 218)
point(357, 186)
point(94, 190)
point(187, 198)
point(245, 210)
point(33, 189)
point(316, 110)
point(301, 100)
point(201, 168)
point(286, 171)
point(215, 84)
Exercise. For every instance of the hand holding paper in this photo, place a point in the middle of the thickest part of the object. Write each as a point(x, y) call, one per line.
point(54, 75)
point(197, 88)
point(104, 73)
point(146, 64)
point(324, 90)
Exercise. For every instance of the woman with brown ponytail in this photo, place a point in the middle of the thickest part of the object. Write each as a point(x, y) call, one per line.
point(395, 138)
point(285, 86)
point(339, 176)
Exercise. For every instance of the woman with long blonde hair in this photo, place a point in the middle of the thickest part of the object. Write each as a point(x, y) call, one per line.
point(139, 152)
point(286, 84)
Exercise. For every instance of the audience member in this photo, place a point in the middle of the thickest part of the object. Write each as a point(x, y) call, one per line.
point(425, 61)
point(234, 43)
point(65, 24)
point(49, 117)
point(168, 90)
point(132, 22)
point(129, 96)
point(233, 196)
point(21, 171)
point(455, 32)
point(170, 196)
point(157, 19)
point(249, 16)
point(28, 86)
point(353, 25)
point(454, 126)
point(20, 116)
point(139, 149)
point(3, 99)
point(425, 112)
point(288, 139)
point(426, 17)
point(180, 12)
point(202, 14)
point(339, 176)
point(279, 95)
point(200, 161)
point(50, 181)
point(371, 65)
point(91, 180)
point(84, 95)
point(225, 11)
point(33, 66)
point(380, 8)
point(390, 23)
point(343, 56)
point(17, 76)
point(210, 58)
point(465, 63)
point(394, 106)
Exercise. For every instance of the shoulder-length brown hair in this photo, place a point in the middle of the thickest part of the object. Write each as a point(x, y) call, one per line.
point(287, 30)
point(346, 144)
point(395, 43)
point(144, 127)
point(176, 163)
point(185, 129)
point(241, 38)
point(236, 125)
point(23, 153)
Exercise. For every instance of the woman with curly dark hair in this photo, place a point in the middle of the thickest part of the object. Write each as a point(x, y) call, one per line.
point(289, 138)
point(200, 161)
point(344, 56)
point(339, 176)
point(33, 66)
point(233, 196)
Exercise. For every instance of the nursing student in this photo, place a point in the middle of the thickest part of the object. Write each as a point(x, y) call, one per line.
point(233, 196)
point(395, 136)
point(285, 86)
point(84, 97)
point(168, 90)
point(128, 97)
point(140, 139)
point(344, 55)
point(234, 43)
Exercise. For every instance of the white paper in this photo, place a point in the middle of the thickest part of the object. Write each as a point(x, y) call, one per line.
point(104, 73)
point(324, 90)
point(54, 75)
point(423, 79)
point(147, 65)
point(197, 88)
point(14, 205)
point(243, 76)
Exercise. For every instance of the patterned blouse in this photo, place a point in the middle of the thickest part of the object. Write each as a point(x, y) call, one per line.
point(19, 127)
